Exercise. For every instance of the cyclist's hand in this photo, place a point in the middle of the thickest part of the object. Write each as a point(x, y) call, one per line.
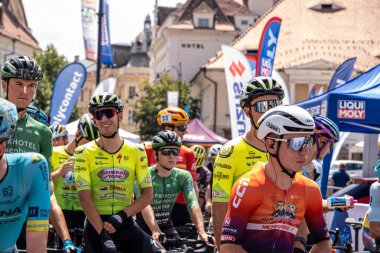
point(69, 247)
point(160, 237)
point(204, 237)
point(108, 245)
point(67, 166)
point(116, 220)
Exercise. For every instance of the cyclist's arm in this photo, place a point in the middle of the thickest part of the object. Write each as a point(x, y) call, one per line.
point(218, 215)
point(150, 220)
point(58, 221)
point(90, 210)
point(145, 199)
point(301, 233)
point(323, 246)
point(228, 248)
point(196, 216)
point(36, 241)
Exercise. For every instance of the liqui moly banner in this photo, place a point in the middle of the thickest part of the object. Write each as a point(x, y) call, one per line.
point(106, 47)
point(342, 73)
point(267, 47)
point(351, 109)
point(67, 87)
point(238, 72)
point(88, 28)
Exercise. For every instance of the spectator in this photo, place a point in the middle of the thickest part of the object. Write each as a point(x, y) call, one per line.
point(340, 178)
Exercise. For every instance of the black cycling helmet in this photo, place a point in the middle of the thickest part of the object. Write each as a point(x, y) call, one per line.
point(260, 86)
point(105, 99)
point(88, 128)
point(166, 138)
point(23, 67)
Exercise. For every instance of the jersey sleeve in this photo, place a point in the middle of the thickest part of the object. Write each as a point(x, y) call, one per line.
point(81, 169)
point(187, 186)
point(39, 194)
point(142, 173)
point(314, 214)
point(245, 198)
point(223, 176)
point(47, 146)
point(190, 165)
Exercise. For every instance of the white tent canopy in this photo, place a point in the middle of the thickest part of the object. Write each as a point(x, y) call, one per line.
point(73, 126)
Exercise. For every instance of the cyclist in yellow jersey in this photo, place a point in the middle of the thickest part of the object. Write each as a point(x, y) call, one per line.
point(105, 170)
point(239, 155)
point(63, 177)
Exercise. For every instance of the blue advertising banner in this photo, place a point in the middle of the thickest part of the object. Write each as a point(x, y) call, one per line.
point(67, 87)
point(342, 73)
point(267, 47)
point(106, 47)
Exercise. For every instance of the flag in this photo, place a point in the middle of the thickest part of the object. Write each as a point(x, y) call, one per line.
point(106, 47)
point(238, 72)
point(312, 91)
point(88, 28)
point(267, 47)
point(67, 87)
point(342, 73)
point(107, 85)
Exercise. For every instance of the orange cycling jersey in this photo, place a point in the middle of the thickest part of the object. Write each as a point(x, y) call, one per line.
point(262, 217)
point(186, 161)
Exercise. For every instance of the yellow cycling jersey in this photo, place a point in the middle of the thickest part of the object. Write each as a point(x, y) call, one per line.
point(66, 194)
point(235, 158)
point(110, 177)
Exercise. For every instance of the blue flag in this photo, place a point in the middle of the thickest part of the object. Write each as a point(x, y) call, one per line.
point(67, 87)
point(106, 47)
point(342, 73)
point(312, 91)
point(267, 47)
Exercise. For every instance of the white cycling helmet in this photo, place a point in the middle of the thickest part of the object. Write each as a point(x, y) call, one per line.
point(287, 119)
point(214, 150)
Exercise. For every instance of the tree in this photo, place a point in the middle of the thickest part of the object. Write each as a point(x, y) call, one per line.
point(51, 64)
point(154, 99)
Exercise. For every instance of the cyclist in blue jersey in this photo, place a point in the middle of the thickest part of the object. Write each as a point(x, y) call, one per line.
point(25, 194)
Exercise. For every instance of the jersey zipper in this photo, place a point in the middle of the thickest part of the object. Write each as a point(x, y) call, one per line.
point(113, 188)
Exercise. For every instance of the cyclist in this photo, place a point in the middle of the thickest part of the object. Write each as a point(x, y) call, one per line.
point(60, 135)
point(374, 208)
point(239, 155)
point(63, 167)
point(175, 119)
point(268, 203)
point(168, 182)
point(368, 241)
point(20, 76)
point(105, 170)
point(38, 115)
point(25, 190)
point(203, 178)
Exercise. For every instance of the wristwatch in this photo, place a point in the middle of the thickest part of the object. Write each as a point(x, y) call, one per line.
point(301, 240)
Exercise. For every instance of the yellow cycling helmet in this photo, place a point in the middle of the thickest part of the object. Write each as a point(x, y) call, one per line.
point(172, 116)
point(200, 154)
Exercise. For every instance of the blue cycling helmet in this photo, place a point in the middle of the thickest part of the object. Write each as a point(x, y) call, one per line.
point(38, 115)
point(324, 127)
point(58, 131)
point(377, 169)
point(8, 119)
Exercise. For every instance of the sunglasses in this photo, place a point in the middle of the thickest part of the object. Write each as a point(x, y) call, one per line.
point(296, 144)
point(109, 113)
point(263, 106)
point(181, 128)
point(170, 151)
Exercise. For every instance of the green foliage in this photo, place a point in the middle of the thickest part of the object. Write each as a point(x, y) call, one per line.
point(154, 99)
point(51, 63)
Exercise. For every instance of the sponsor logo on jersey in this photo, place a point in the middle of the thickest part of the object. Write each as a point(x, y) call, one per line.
point(217, 194)
point(227, 222)
point(142, 158)
point(10, 212)
point(36, 158)
point(112, 174)
point(252, 155)
point(112, 195)
point(117, 188)
point(226, 151)
point(103, 188)
point(148, 180)
point(222, 165)
point(33, 211)
point(8, 191)
point(228, 238)
point(80, 160)
point(125, 158)
point(44, 212)
point(80, 183)
point(219, 175)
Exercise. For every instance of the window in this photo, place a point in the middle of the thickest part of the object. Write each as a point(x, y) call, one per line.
point(132, 92)
point(130, 118)
point(203, 23)
point(244, 22)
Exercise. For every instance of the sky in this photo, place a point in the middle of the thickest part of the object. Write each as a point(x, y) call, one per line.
point(59, 22)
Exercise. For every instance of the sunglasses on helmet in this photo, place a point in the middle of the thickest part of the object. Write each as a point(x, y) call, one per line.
point(109, 113)
point(263, 106)
point(170, 151)
point(297, 143)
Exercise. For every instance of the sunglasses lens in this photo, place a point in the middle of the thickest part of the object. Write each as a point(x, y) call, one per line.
point(169, 151)
point(109, 113)
point(264, 106)
point(299, 143)
point(182, 128)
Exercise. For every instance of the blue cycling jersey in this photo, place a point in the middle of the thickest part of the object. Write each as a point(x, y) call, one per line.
point(24, 195)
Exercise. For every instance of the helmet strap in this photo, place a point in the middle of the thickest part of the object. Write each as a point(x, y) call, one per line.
point(290, 174)
point(251, 119)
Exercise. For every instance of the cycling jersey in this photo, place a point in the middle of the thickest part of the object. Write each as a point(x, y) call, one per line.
point(234, 159)
point(66, 194)
point(186, 161)
point(25, 195)
point(110, 177)
point(374, 203)
point(31, 136)
point(203, 180)
point(166, 190)
point(262, 217)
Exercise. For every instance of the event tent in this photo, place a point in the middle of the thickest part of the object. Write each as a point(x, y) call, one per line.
point(72, 128)
point(198, 133)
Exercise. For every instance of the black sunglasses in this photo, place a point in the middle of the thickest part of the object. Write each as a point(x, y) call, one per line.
point(109, 113)
point(169, 151)
point(181, 128)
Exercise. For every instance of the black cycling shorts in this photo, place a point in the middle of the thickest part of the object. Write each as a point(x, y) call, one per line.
point(180, 215)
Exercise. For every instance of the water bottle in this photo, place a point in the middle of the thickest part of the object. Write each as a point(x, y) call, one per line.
point(69, 177)
point(340, 202)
